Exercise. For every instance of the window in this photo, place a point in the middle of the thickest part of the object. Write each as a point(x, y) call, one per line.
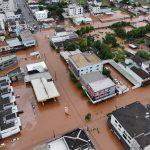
point(119, 126)
point(116, 121)
point(129, 137)
point(124, 136)
point(128, 141)
point(124, 133)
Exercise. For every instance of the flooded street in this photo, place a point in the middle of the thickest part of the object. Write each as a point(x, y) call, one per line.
point(46, 122)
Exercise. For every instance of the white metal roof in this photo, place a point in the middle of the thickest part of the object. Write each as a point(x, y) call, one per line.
point(101, 84)
point(45, 75)
point(58, 144)
point(44, 90)
point(50, 88)
point(67, 54)
point(39, 90)
point(37, 66)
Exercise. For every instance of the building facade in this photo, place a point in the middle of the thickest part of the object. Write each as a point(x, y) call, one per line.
point(41, 15)
point(27, 38)
point(97, 86)
point(84, 63)
point(7, 61)
point(10, 123)
point(73, 10)
point(131, 125)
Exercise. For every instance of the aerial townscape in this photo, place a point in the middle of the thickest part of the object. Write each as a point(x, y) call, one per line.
point(74, 74)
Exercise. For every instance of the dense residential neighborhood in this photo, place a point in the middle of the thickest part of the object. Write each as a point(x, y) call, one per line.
point(75, 75)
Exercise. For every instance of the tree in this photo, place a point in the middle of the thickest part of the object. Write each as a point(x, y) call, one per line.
point(41, 2)
point(90, 41)
point(125, 1)
point(120, 24)
point(84, 30)
point(71, 46)
point(41, 8)
point(56, 10)
point(106, 72)
point(105, 52)
point(119, 56)
point(83, 44)
point(143, 54)
point(121, 33)
point(97, 44)
point(138, 32)
point(110, 38)
point(88, 117)
point(79, 86)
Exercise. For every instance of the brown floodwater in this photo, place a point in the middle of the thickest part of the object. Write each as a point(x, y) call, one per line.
point(45, 122)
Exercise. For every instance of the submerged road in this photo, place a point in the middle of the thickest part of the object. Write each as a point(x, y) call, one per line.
point(50, 120)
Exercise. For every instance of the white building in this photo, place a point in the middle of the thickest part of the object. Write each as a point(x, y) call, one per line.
point(84, 63)
point(12, 15)
point(10, 123)
point(97, 8)
point(97, 86)
point(59, 40)
point(131, 125)
point(2, 23)
point(41, 80)
point(79, 20)
point(55, 1)
point(41, 15)
point(27, 38)
point(73, 10)
point(8, 5)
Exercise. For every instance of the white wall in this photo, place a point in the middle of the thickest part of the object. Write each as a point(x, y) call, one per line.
point(40, 15)
point(129, 140)
point(74, 10)
point(90, 68)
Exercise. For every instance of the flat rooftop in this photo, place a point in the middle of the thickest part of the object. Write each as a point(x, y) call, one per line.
point(44, 89)
point(101, 84)
point(26, 35)
point(92, 77)
point(84, 59)
point(30, 77)
point(66, 54)
point(135, 119)
point(40, 66)
point(58, 144)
